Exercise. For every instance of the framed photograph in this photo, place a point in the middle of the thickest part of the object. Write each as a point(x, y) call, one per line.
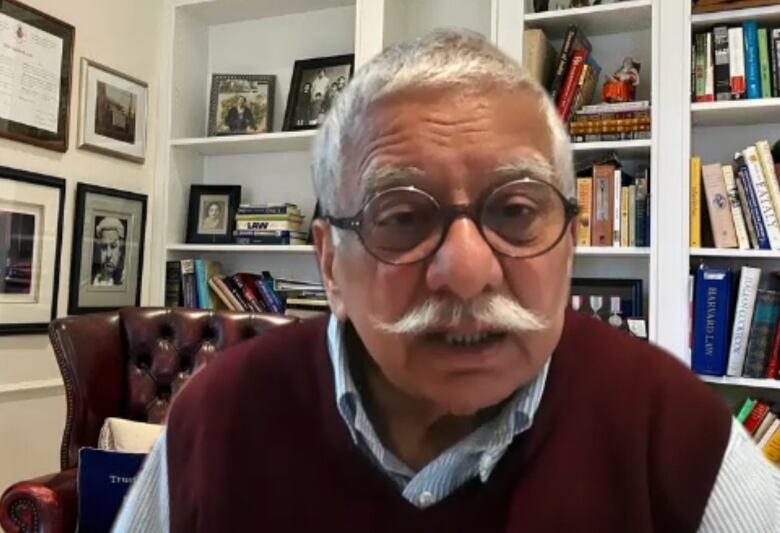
point(31, 207)
point(595, 295)
point(36, 76)
point(315, 85)
point(211, 218)
point(241, 104)
point(108, 249)
point(114, 109)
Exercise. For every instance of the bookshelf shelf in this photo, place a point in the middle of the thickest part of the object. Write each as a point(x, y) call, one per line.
point(736, 113)
point(285, 141)
point(743, 382)
point(621, 17)
point(607, 251)
point(629, 149)
point(765, 15)
point(213, 13)
point(728, 252)
point(241, 248)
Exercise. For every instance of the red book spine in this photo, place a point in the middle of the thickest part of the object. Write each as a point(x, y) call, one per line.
point(756, 416)
point(243, 284)
point(578, 59)
point(774, 359)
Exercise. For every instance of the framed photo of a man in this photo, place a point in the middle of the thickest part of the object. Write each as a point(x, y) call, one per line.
point(31, 207)
point(113, 112)
point(212, 213)
point(108, 249)
point(241, 104)
point(314, 89)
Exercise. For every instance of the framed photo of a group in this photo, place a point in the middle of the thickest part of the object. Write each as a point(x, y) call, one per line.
point(36, 51)
point(113, 113)
point(108, 249)
point(30, 244)
point(316, 84)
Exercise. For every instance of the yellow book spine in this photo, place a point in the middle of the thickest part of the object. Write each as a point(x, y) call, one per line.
point(624, 224)
point(695, 202)
point(772, 448)
point(585, 199)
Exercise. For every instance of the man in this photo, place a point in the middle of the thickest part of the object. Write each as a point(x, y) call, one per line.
point(450, 390)
point(303, 105)
point(316, 113)
point(240, 118)
point(320, 84)
point(109, 257)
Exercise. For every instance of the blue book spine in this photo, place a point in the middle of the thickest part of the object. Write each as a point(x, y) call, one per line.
point(711, 321)
point(268, 300)
point(752, 63)
point(641, 219)
point(202, 283)
point(744, 177)
point(269, 282)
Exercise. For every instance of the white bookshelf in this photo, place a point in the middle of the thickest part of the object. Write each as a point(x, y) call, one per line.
point(736, 112)
point(606, 251)
point(282, 141)
point(769, 15)
point(622, 17)
point(734, 253)
point(772, 384)
point(628, 149)
point(241, 248)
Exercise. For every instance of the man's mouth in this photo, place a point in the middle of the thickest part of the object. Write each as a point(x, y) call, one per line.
point(465, 340)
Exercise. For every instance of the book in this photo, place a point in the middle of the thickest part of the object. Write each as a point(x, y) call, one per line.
point(585, 201)
point(603, 199)
point(625, 227)
point(173, 294)
point(268, 225)
point(774, 56)
point(709, 68)
point(253, 217)
point(245, 284)
point(743, 317)
point(749, 224)
point(745, 187)
point(766, 423)
point(767, 195)
point(202, 284)
point(270, 283)
point(756, 416)
point(222, 294)
point(712, 315)
point(764, 64)
point(752, 64)
point(538, 55)
point(269, 301)
point(767, 164)
point(769, 433)
point(566, 97)
point(722, 75)
point(631, 219)
point(573, 40)
point(189, 284)
point(771, 449)
point(695, 208)
point(237, 294)
point(642, 223)
point(227, 294)
point(762, 333)
point(700, 67)
point(774, 357)
point(718, 207)
point(743, 240)
point(269, 209)
point(617, 206)
point(587, 86)
point(737, 63)
point(744, 411)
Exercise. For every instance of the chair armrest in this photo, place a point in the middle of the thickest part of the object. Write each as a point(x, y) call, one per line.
point(47, 504)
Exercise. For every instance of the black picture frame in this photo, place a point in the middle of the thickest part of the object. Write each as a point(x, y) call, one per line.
point(241, 85)
point(199, 231)
point(17, 131)
point(629, 290)
point(33, 178)
point(297, 114)
point(132, 293)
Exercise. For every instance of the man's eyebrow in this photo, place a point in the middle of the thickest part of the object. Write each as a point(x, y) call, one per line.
point(531, 168)
point(376, 179)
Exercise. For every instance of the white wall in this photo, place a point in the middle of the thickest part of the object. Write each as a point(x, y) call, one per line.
point(125, 35)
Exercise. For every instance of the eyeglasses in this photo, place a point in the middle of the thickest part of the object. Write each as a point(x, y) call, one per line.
point(520, 219)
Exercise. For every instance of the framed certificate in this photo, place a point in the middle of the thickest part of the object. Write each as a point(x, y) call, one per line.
point(36, 51)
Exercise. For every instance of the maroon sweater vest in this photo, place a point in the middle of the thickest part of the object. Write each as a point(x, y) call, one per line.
point(626, 439)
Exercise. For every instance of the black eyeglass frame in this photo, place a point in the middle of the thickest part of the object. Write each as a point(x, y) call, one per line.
point(451, 213)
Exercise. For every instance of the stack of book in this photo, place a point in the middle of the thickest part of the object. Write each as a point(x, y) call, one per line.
point(611, 122)
point(734, 336)
point(743, 201)
point(734, 63)
point(303, 298)
point(614, 206)
point(760, 419)
point(269, 224)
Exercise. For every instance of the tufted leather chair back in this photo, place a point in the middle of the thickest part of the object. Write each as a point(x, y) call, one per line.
point(130, 363)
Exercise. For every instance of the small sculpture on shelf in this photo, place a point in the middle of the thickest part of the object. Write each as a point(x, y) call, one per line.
point(621, 86)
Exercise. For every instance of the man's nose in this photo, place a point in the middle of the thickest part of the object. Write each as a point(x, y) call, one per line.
point(465, 264)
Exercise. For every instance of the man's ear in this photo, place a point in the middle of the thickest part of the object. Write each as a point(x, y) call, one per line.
point(326, 257)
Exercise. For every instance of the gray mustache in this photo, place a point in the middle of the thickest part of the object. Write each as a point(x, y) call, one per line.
point(492, 310)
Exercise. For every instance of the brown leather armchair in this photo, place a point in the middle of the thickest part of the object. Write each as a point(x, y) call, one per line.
point(129, 364)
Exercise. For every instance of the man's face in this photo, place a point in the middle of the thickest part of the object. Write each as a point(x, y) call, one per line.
point(241, 102)
point(457, 138)
point(110, 246)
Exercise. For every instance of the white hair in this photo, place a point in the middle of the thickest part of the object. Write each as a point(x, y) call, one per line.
point(439, 58)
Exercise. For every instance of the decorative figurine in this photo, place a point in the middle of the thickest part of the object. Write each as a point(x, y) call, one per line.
point(621, 86)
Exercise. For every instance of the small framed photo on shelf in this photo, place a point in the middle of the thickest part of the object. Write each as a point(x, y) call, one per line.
point(114, 110)
point(315, 85)
point(31, 209)
point(211, 218)
point(594, 296)
point(37, 71)
point(241, 104)
point(108, 249)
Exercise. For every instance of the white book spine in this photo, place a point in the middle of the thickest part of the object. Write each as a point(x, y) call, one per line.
point(736, 56)
point(736, 208)
point(709, 74)
point(617, 206)
point(743, 317)
point(761, 189)
point(768, 435)
point(769, 419)
point(768, 168)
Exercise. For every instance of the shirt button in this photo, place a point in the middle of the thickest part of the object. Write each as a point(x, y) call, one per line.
point(425, 499)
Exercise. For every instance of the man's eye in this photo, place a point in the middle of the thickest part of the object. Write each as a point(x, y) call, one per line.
point(397, 218)
point(518, 210)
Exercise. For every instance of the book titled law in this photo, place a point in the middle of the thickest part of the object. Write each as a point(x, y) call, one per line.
point(752, 63)
point(711, 321)
point(585, 201)
point(719, 207)
point(737, 64)
point(762, 333)
point(602, 214)
point(743, 317)
point(756, 416)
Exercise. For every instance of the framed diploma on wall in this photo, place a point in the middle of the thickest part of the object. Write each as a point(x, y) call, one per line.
point(36, 51)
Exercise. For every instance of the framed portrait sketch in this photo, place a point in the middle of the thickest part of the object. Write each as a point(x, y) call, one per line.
point(30, 244)
point(113, 114)
point(315, 86)
point(241, 104)
point(211, 218)
point(108, 249)
point(36, 76)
